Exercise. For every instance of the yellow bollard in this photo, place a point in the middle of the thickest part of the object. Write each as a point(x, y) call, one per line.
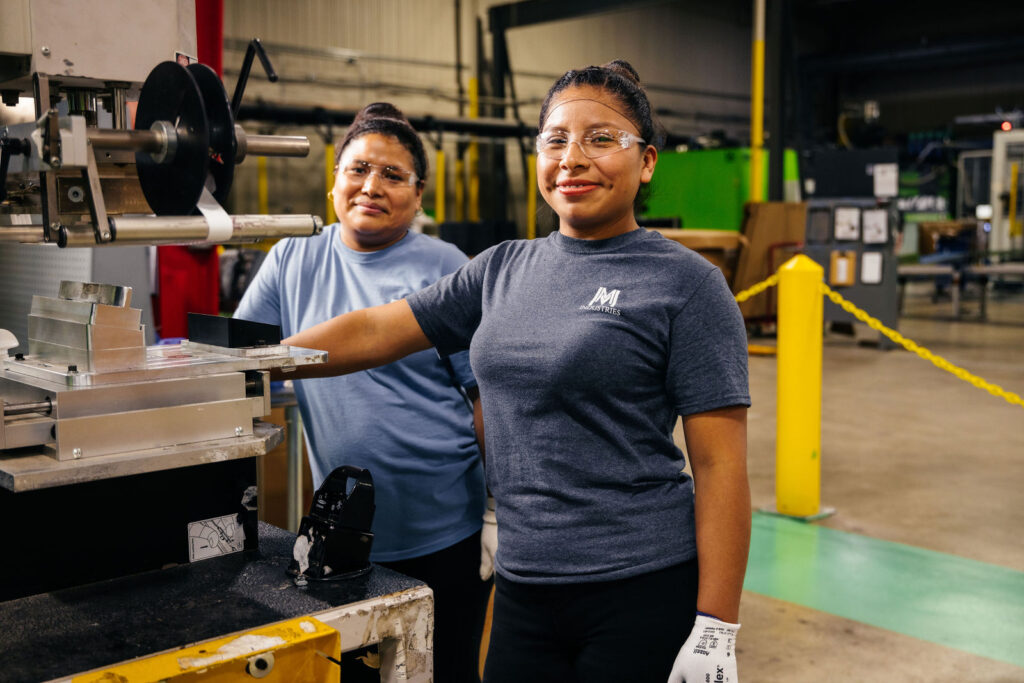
point(531, 197)
point(798, 410)
point(262, 186)
point(329, 215)
point(460, 189)
point(757, 105)
point(474, 155)
point(440, 188)
point(1015, 229)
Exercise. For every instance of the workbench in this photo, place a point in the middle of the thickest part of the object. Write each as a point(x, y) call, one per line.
point(982, 272)
point(52, 636)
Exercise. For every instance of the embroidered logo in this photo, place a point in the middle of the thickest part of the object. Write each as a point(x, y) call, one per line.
point(604, 301)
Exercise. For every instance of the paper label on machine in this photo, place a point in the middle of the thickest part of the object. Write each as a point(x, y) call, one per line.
point(214, 537)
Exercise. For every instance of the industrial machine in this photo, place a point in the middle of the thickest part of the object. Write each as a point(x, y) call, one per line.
point(128, 145)
point(128, 473)
point(80, 174)
point(1004, 194)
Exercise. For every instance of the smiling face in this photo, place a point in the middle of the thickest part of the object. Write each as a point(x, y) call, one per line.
point(374, 214)
point(592, 197)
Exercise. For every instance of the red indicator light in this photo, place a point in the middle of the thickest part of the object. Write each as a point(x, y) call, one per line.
point(1006, 125)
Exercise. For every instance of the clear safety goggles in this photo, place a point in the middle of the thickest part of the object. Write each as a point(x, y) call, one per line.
point(357, 173)
point(596, 143)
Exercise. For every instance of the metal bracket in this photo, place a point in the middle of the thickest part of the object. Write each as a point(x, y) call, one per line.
point(97, 207)
point(47, 180)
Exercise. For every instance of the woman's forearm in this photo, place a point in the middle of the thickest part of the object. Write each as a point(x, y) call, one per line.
point(717, 446)
point(359, 340)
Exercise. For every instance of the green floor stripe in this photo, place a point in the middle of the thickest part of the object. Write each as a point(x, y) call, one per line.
point(949, 600)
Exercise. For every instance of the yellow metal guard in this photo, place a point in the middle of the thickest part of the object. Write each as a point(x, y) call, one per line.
point(292, 651)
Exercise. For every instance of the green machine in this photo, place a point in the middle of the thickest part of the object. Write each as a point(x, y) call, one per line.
point(707, 188)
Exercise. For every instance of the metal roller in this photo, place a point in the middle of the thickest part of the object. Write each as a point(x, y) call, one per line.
point(269, 145)
point(147, 230)
point(40, 407)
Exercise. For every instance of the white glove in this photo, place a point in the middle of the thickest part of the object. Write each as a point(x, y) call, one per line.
point(708, 655)
point(488, 541)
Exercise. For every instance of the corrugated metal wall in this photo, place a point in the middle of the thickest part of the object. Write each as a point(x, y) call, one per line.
point(408, 57)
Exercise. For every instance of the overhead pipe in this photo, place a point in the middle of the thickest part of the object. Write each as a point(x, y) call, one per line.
point(318, 116)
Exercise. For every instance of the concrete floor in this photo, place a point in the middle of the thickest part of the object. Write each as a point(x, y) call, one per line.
point(910, 454)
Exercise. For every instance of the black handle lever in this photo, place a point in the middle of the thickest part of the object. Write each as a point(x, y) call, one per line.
point(255, 48)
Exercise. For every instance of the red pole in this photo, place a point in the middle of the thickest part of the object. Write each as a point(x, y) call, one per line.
point(210, 34)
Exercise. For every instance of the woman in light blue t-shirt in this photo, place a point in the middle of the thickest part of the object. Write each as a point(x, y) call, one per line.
point(409, 423)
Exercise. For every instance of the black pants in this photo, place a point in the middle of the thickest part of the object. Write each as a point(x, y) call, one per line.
point(460, 605)
point(612, 631)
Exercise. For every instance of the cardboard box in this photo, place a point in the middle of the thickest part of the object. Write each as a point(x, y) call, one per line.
point(774, 232)
point(721, 247)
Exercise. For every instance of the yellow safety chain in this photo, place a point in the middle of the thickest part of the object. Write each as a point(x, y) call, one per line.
point(771, 281)
point(875, 324)
point(937, 361)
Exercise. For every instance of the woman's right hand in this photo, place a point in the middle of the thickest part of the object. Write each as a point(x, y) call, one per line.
point(488, 541)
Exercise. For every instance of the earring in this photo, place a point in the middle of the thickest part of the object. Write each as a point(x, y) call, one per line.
point(330, 195)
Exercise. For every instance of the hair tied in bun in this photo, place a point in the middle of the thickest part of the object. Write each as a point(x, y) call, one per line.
point(380, 110)
point(623, 68)
point(384, 118)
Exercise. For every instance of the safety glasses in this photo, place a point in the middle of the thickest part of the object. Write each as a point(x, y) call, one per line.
point(357, 173)
point(596, 143)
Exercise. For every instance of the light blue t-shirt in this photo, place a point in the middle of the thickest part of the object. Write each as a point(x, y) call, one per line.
point(405, 422)
point(586, 352)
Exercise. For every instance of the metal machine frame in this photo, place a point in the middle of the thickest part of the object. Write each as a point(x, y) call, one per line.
point(1007, 146)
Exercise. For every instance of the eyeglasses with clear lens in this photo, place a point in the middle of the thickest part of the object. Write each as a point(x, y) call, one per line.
point(594, 144)
point(357, 172)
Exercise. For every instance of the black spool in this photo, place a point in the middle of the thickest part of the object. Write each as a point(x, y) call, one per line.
point(221, 126)
point(171, 94)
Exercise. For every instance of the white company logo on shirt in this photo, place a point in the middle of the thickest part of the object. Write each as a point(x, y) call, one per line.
point(604, 301)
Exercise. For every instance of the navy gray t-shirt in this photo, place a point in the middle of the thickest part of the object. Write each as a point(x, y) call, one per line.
point(585, 352)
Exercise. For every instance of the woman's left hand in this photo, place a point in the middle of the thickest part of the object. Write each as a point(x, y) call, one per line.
point(708, 655)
